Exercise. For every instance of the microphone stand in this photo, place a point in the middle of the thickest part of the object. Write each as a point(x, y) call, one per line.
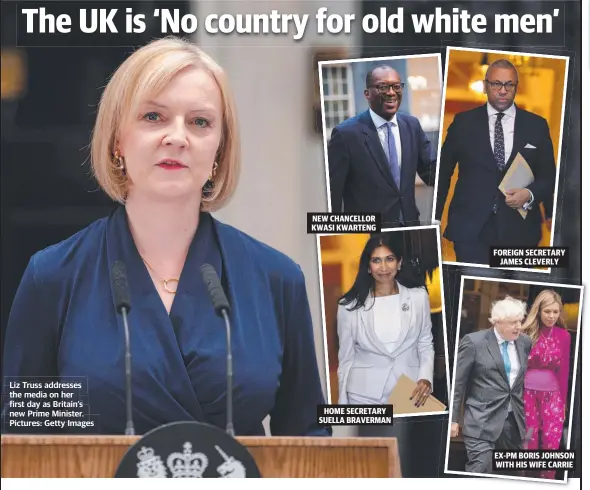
point(123, 307)
point(222, 308)
point(229, 401)
point(129, 429)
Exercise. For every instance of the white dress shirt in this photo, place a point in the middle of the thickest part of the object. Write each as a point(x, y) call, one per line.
point(386, 320)
point(513, 356)
point(508, 129)
point(378, 121)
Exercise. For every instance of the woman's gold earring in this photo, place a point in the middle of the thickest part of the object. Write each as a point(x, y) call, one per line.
point(118, 161)
point(213, 172)
point(210, 184)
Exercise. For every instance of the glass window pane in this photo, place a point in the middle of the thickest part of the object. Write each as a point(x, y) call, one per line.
point(333, 73)
point(325, 81)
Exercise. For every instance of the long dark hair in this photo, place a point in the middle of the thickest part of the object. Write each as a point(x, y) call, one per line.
point(408, 276)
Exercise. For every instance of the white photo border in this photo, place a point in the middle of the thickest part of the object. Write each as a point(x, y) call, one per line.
point(321, 64)
point(559, 147)
point(443, 313)
point(573, 388)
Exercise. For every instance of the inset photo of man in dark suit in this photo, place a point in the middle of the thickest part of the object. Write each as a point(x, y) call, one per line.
point(380, 119)
point(488, 384)
point(497, 167)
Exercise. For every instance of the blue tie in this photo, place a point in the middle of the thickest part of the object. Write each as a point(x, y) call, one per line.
point(393, 163)
point(506, 358)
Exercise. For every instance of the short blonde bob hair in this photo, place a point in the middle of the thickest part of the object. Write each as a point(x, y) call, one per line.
point(142, 76)
point(507, 308)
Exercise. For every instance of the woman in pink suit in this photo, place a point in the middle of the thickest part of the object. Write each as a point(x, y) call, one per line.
point(547, 375)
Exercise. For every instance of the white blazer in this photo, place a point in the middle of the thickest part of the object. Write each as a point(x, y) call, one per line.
point(366, 367)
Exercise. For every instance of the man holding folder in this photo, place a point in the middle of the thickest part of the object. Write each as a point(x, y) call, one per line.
point(506, 169)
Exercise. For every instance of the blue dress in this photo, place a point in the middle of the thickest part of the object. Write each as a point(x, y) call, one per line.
point(63, 325)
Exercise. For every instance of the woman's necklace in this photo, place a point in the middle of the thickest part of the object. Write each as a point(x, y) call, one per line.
point(166, 282)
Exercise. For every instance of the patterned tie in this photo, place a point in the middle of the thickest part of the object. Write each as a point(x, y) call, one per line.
point(499, 142)
point(506, 359)
point(393, 163)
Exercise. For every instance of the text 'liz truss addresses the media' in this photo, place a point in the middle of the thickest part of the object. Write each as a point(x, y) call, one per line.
point(55, 404)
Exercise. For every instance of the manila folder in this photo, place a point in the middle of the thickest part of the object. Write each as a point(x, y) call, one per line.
point(519, 176)
point(400, 399)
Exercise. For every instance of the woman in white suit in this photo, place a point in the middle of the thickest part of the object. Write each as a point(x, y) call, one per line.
point(384, 327)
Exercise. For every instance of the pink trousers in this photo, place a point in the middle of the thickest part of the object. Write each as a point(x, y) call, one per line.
point(545, 414)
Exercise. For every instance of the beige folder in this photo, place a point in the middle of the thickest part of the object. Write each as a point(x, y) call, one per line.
point(400, 399)
point(519, 176)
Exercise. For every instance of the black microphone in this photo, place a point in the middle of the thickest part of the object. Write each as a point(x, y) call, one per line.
point(123, 306)
point(221, 307)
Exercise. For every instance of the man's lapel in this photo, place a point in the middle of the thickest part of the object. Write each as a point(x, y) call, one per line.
point(519, 137)
point(494, 349)
point(405, 140)
point(373, 145)
point(482, 131)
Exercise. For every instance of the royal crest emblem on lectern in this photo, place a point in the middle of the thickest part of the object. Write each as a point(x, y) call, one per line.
point(187, 464)
point(150, 465)
point(187, 450)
